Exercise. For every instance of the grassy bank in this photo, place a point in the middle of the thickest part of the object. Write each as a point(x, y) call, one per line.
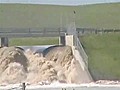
point(104, 55)
point(33, 41)
point(40, 16)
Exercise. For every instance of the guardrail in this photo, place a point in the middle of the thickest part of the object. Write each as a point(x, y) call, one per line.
point(84, 31)
point(76, 42)
point(82, 52)
point(55, 31)
point(27, 32)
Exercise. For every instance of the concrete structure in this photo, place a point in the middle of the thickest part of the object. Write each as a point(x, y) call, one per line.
point(85, 75)
point(4, 41)
point(5, 34)
point(66, 40)
point(69, 40)
point(62, 40)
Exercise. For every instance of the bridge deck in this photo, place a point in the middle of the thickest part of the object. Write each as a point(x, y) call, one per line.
point(32, 32)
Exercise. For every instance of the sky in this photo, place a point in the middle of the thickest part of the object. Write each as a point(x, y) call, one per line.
point(60, 2)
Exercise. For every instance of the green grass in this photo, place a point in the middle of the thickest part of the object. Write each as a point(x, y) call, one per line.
point(40, 16)
point(104, 55)
point(33, 41)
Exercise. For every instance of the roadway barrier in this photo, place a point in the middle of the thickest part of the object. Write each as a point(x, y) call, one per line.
point(29, 32)
point(84, 31)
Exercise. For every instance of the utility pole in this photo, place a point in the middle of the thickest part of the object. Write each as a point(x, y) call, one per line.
point(74, 16)
point(61, 24)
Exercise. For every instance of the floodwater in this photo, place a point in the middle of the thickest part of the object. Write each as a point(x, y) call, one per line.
point(58, 86)
point(100, 85)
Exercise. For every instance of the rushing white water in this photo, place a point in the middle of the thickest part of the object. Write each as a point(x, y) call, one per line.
point(42, 72)
point(57, 65)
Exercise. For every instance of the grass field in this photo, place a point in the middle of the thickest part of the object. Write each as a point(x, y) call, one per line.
point(33, 41)
point(40, 16)
point(104, 55)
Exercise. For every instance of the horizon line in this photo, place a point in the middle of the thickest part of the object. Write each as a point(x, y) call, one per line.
point(57, 4)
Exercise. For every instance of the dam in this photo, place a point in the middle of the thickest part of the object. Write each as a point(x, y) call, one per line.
point(56, 67)
point(61, 61)
point(65, 55)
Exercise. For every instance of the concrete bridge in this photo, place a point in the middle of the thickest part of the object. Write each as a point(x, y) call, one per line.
point(6, 33)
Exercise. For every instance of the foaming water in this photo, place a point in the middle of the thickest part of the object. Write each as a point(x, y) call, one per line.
point(57, 69)
point(57, 65)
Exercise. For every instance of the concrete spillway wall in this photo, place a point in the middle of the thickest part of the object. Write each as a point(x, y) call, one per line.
point(83, 68)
